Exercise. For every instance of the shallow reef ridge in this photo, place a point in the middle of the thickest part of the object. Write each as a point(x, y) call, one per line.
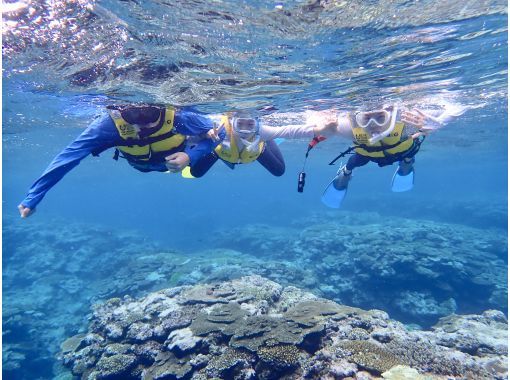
point(254, 328)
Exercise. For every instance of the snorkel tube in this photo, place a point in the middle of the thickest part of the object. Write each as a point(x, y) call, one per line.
point(385, 133)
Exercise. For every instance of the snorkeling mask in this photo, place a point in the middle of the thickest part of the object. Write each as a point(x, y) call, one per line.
point(374, 121)
point(140, 114)
point(245, 126)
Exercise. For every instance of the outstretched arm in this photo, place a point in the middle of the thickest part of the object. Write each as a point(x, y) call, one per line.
point(327, 123)
point(99, 136)
point(435, 119)
point(331, 123)
point(287, 131)
point(426, 121)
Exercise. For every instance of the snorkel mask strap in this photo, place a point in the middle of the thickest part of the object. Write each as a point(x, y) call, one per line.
point(385, 133)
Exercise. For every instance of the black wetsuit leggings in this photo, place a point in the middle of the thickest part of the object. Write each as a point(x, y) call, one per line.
point(357, 160)
point(271, 158)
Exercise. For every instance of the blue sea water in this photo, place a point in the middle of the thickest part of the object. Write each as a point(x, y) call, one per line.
point(63, 63)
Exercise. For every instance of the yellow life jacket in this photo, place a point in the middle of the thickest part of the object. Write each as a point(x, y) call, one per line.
point(164, 141)
point(229, 151)
point(394, 144)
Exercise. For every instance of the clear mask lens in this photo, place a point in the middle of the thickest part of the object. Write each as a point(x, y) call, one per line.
point(379, 118)
point(245, 125)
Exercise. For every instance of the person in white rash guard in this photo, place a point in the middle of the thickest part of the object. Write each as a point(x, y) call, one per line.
point(388, 134)
point(247, 140)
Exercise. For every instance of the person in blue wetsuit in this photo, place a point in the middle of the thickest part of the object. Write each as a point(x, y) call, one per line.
point(149, 137)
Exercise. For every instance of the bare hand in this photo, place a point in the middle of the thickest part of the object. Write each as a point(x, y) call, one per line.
point(326, 123)
point(414, 118)
point(25, 212)
point(177, 162)
point(213, 133)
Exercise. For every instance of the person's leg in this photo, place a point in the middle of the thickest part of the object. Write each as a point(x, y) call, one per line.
point(203, 165)
point(344, 174)
point(271, 158)
point(403, 179)
point(148, 166)
point(355, 161)
point(405, 166)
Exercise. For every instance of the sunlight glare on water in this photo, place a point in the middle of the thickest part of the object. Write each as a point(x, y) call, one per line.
point(254, 54)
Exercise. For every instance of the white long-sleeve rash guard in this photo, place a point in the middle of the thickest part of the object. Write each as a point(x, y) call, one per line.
point(286, 131)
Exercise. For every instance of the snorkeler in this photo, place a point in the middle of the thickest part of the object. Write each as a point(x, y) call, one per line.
point(149, 137)
point(384, 136)
point(247, 140)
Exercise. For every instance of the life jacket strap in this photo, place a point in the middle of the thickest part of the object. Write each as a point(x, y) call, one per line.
point(411, 152)
point(344, 153)
point(150, 156)
point(373, 149)
point(146, 140)
point(391, 159)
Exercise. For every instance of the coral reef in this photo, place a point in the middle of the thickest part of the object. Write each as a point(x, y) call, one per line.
point(51, 278)
point(253, 328)
point(416, 270)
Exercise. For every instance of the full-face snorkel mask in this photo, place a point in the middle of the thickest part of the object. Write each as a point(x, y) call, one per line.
point(245, 126)
point(378, 123)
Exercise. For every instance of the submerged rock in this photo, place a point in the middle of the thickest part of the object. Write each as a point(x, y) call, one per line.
point(249, 329)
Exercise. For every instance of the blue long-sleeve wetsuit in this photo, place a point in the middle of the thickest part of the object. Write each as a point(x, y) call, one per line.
point(101, 135)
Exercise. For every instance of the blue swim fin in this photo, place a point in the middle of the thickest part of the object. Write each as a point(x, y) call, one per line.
point(401, 183)
point(332, 197)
